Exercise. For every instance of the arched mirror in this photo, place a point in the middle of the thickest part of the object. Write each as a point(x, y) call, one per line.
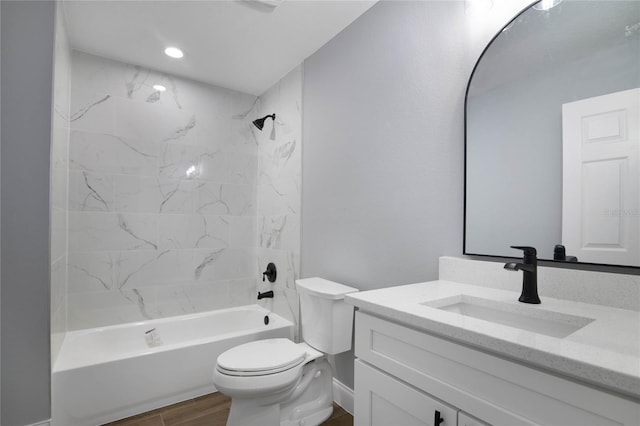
point(552, 146)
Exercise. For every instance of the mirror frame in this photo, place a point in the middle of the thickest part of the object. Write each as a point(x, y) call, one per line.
point(601, 267)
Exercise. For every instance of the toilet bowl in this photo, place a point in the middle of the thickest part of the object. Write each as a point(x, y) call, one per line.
point(279, 382)
point(262, 392)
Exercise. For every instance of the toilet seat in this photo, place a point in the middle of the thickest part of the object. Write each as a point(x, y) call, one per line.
point(260, 358)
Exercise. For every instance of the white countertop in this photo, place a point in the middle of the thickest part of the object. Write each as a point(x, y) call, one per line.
point(605, 352)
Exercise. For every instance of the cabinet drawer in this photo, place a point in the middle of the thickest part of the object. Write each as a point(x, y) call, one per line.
point(496, 390)
point(381, 400)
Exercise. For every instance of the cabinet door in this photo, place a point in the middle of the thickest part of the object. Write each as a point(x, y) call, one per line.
point(381, 400)
point(466, 420)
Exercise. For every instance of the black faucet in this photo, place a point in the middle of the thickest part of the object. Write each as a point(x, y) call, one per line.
point(266, 294)
point(529, 268)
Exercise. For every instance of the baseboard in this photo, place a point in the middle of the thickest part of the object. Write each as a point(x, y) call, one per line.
point(42, 423)
point(343, 396)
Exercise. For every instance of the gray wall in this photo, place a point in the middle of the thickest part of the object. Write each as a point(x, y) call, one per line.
point(383, 145)
point(26, 90)
point(382, 177)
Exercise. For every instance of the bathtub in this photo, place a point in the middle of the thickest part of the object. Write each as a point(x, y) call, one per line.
point(108, 373)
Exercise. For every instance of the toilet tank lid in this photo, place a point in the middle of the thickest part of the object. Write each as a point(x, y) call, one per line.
point(324, 288)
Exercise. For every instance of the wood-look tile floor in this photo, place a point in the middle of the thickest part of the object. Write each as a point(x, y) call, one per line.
point(208, 410)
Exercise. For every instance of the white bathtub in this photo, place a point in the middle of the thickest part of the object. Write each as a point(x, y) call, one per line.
point(108, 373)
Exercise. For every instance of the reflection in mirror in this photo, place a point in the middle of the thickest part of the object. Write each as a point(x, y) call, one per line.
point(552, 141)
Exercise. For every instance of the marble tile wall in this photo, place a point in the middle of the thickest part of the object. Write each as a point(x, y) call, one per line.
point(279, 191)
point(59, 177)
point(163, 195)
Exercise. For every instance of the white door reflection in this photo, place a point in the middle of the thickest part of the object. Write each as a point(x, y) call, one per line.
point(600, 209)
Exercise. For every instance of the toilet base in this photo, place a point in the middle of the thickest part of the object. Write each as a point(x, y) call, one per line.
point(311, 420)
point(308, 403)
point(247, 413)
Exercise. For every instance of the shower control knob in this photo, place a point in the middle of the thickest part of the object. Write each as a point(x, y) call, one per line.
point(270, 273)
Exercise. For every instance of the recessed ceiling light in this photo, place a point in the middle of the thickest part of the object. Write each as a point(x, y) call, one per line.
point(173, 52)
point(159, 87)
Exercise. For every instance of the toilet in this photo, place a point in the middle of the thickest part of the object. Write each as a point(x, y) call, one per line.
point(279, 382)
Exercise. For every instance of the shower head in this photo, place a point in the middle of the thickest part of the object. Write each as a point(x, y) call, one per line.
point(259, 123)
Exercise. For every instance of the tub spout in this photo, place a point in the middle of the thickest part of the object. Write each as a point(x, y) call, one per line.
point(266, 294)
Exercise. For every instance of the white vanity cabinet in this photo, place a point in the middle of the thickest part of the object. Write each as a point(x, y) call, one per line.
point(405, 376)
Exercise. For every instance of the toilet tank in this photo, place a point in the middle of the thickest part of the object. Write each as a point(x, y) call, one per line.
point(326, 320)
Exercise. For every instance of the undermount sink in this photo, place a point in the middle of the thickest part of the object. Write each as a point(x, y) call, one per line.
point(516, 315)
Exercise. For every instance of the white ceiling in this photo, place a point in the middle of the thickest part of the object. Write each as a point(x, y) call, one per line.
point(238, 44)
